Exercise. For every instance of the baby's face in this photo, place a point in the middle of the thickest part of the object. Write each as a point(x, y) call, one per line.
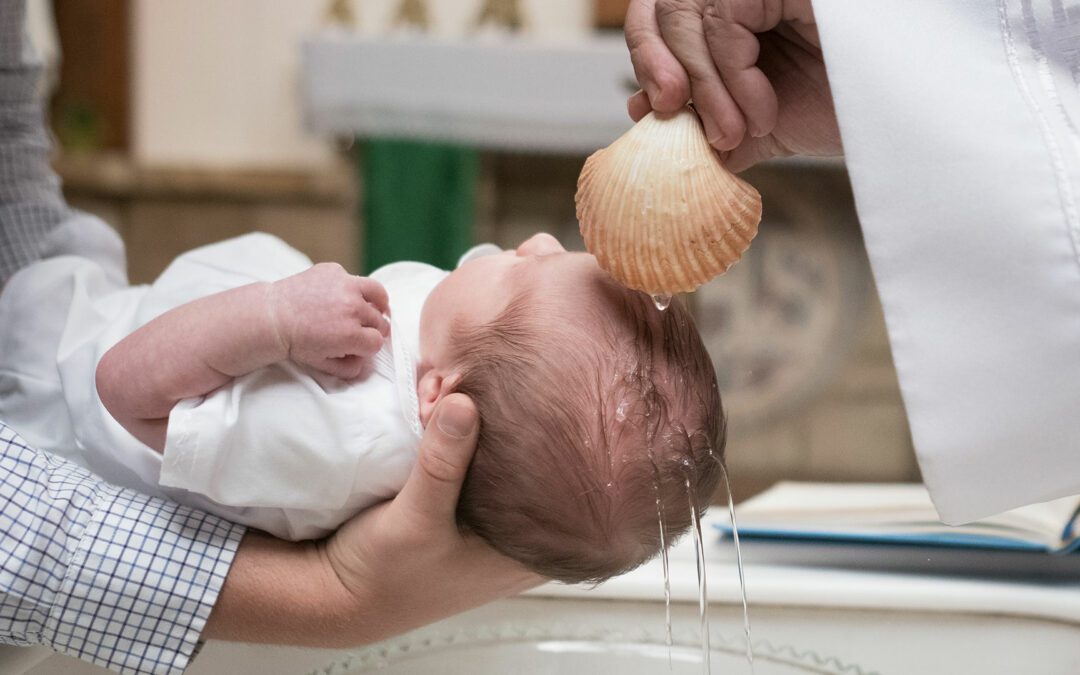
point(478, 291)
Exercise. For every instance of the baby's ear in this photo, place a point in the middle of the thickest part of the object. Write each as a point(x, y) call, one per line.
point(432, 387)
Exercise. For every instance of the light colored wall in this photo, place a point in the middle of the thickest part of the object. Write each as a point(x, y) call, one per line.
point(853, 429)
point(215, 83)
point(545, 20)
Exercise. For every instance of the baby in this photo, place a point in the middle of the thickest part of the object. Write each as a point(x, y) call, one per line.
point(289, 396)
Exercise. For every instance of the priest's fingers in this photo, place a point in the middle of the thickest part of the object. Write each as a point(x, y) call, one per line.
point(682, 28)
point(638, 105)
point(431, 492)
point(752, 151)
point(730, 27)
point(659, 73)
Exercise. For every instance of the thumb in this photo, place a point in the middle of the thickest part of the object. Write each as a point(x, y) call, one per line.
point(752, 151)
point(432, 489)
point(657, 70)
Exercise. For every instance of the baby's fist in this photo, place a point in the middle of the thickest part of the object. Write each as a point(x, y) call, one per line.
point(329, 319)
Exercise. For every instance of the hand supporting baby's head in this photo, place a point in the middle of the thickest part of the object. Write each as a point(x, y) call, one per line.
point(597, 416)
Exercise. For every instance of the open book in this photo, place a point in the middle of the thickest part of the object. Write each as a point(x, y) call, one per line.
point(900, 513)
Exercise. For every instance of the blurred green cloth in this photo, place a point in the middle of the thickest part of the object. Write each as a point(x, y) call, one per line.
point(419, 202)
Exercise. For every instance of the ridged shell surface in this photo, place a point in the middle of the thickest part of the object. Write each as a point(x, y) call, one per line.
point(660, 211)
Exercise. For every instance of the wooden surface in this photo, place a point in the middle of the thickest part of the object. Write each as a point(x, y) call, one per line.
point(116, 176)
point(161, 213)
point(90, 108)
point(610, 13)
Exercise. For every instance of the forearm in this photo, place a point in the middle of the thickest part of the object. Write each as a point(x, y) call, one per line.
point(189, 351)
point(280, 592)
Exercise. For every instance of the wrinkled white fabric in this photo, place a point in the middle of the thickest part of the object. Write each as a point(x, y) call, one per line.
point(959, 128)
point(310, 447)
point(283, 449)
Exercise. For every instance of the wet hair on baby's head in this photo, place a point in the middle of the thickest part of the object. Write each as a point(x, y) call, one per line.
point(588, 439)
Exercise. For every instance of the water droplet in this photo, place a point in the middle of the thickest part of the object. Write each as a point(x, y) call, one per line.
point(662, 302)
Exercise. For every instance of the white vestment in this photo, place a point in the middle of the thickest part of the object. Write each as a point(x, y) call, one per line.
point(960, 128)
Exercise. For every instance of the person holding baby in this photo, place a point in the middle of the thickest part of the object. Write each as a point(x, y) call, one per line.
point(595, 413)
point(133, 582)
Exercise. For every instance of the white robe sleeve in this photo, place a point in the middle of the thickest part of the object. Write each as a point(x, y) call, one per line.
point(272, 438)
point(276, 437)
point(959, 123)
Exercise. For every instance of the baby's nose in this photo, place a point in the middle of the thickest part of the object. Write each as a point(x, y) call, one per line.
point(540, 244)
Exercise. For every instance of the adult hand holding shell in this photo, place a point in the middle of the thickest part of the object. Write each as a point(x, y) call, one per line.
point(753, 68)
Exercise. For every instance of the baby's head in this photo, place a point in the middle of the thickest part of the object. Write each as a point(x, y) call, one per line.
point(597, 411)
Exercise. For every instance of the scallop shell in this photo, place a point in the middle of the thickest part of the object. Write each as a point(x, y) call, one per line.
point(658, 209)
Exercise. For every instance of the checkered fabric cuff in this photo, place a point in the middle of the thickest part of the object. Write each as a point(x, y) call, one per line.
point(107, 575)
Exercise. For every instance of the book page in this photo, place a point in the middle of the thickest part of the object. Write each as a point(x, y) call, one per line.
point(892, 509)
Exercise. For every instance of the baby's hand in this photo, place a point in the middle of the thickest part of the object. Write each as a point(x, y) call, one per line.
point(329, 319)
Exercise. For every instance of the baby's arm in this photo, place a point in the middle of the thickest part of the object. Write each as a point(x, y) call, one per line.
point(323, 317)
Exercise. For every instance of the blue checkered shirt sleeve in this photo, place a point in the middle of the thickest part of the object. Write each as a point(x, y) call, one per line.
point(31, 203)
point(104, 574)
